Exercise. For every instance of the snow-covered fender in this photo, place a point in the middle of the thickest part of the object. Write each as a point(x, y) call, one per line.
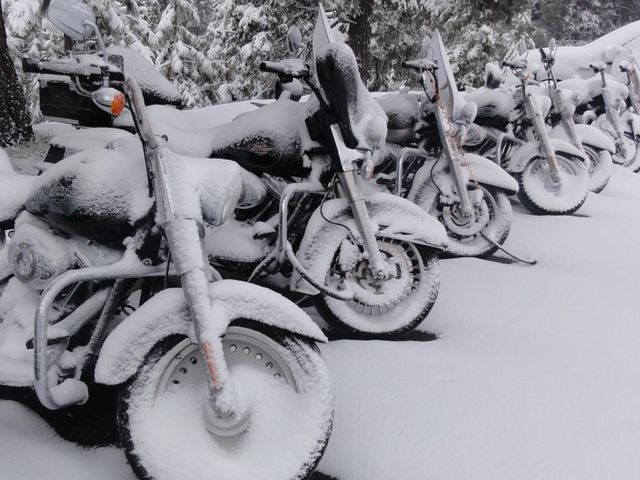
point(395, 217)
point(167, 314)
point(529, 150)
point(487, 172)
point(589, 135)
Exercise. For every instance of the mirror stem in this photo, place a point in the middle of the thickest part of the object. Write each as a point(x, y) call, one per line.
point(101, 44)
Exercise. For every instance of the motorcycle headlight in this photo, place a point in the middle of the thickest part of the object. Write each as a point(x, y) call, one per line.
point(37, 256)
point(24, 264)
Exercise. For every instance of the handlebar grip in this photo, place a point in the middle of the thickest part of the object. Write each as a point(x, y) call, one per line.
point(52, 67)
point(33, 65)
point(266, 68)
point(282, 68)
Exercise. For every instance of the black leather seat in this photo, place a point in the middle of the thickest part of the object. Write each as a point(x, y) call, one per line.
point(357, 113)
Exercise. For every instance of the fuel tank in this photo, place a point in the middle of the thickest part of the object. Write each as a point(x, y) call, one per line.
point(99, 194)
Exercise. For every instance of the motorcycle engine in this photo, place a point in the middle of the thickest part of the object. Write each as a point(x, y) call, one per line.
point(37, 254)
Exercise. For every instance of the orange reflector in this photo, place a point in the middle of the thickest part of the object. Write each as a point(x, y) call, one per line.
point(117, 104)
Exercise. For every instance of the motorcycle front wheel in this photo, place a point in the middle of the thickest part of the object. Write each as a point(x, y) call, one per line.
point(491, 220)
point(600, 169)
point(541, 196)
point(385, 308)
point(281, 380)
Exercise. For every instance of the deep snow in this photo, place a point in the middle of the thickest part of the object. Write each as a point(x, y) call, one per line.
point(534, 375)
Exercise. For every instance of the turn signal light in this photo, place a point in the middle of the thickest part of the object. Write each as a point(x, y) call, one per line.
point(110, 100)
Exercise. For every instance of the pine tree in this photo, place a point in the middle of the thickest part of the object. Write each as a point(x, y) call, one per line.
point(242, 34)
point(180, 56)
point(15, 123)
point(476, 32)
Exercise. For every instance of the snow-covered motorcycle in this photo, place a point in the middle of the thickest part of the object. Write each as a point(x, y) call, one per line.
point(424, 162)
point(217, 378)
point(603, 105)
point(595, 145)
point(510, 128)
point(369, 262)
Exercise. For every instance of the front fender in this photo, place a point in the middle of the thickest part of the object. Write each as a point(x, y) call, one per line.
point(486, 172)
point(521, 157)
point(589, 135)
point(168, 314)
point(395, 217)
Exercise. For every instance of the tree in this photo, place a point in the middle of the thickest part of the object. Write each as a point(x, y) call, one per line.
point(180, 56)
point(476, 32)
point(242, 33)
point(15, 121)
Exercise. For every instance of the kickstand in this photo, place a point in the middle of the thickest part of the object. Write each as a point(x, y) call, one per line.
point(507, 252)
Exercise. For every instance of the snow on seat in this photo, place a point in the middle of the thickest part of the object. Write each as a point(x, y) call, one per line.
point(14, 189)
point(86, 138)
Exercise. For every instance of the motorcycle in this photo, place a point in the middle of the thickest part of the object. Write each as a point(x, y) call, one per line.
point(510, 128)
point(368, 261)
point(596, 146)
point(424, 162)
point(603, 106)
point(216, 377)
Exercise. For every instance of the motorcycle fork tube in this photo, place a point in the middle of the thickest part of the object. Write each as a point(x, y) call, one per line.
point(185, 237)
point(353, 193)
point(634, 87)
point(535, 115)
point(455, 159)
point(614, 120)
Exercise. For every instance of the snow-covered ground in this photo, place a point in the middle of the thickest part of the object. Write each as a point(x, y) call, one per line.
point(535, 374)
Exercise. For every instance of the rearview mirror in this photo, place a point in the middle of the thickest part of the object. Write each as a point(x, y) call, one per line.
point(294, 40)
point(73, 18)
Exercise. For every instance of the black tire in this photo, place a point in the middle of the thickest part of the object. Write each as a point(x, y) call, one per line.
point(312, 385)
point(405, 313)
point(537, 200)
point(601, 168)
point(497, 226)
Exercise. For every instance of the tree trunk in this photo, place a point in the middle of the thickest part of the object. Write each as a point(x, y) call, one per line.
point(15, 121)
point(360, 37)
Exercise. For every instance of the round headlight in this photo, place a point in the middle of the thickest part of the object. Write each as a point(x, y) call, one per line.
point(23, 263)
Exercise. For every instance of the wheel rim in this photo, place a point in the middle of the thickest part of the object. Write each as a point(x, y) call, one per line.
point(372, 299)
point(630, 154)
point(242, 346)
point(290, 414)
point(566, 195)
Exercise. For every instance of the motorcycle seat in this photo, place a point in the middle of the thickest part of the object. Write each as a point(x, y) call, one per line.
point(402, 110)
point(271, 139)
point(14, 189)
point(494, 106)
point(362, 120)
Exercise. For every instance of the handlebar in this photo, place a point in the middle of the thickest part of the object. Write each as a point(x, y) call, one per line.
point(419, 64)
point(52, 67)
point(597, 67)
point(292, 68)
point(514, 65)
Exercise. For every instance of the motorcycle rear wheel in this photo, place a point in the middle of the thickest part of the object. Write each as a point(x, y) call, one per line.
point(403, 303)
point(166, 433)
point(536, 194)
